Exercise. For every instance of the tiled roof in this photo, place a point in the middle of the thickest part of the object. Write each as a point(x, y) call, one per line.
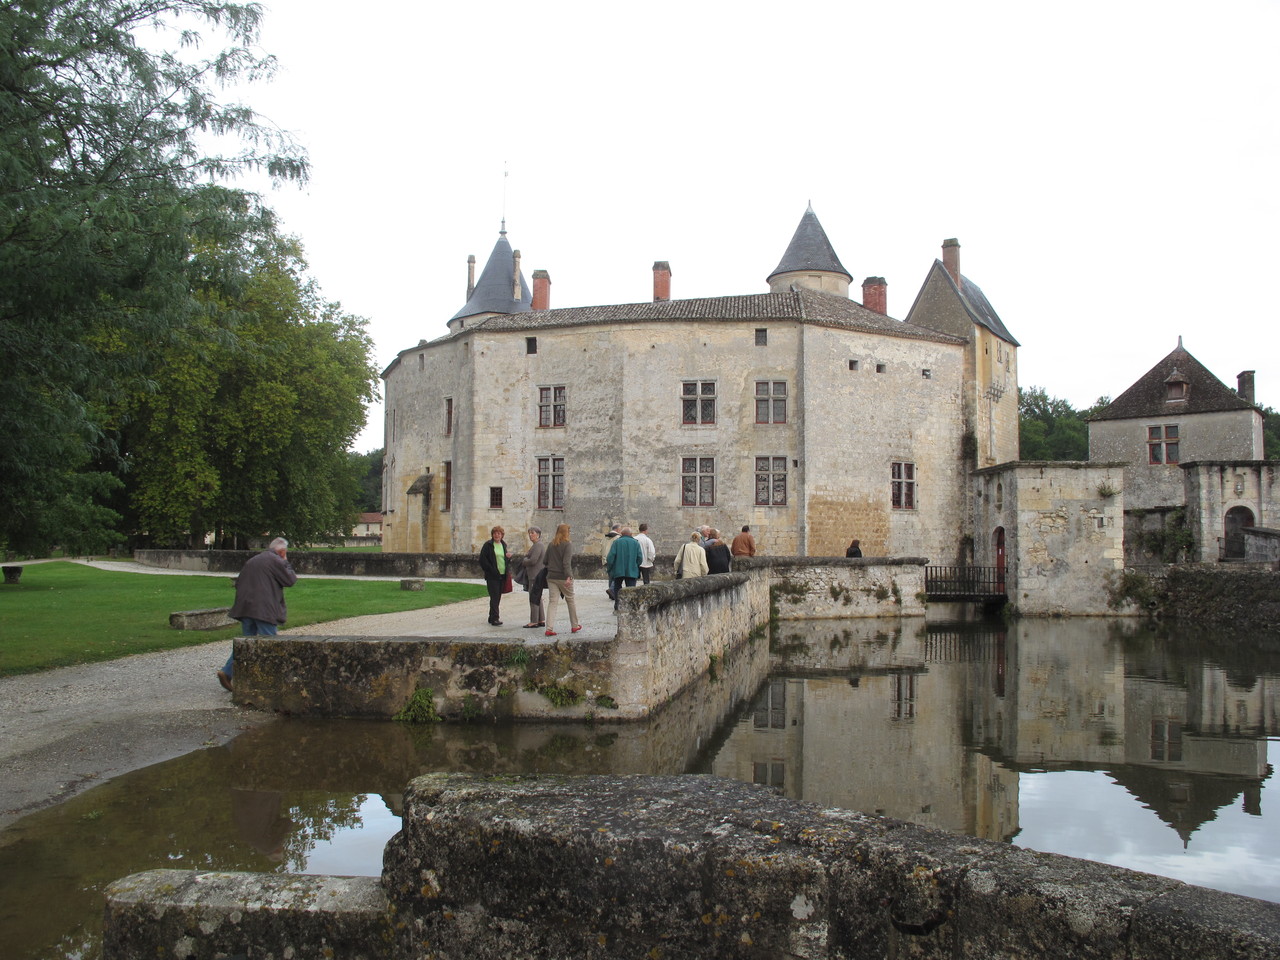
point(1148, 397)
point(807, 306)
point(370, 518)
point(810, 250)
point(982, 311)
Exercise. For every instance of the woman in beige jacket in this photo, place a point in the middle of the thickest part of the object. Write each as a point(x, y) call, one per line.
point(691, 559)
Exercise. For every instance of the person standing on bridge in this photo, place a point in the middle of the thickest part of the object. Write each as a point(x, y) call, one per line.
point(259, 605)
point(559, 561)
point(855, 549)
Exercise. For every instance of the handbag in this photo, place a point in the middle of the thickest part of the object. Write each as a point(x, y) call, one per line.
point(680, 564)
point(506, 583)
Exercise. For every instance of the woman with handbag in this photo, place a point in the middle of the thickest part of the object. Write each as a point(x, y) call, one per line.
point(535, 576)
point(497, 572)
point(691, 559)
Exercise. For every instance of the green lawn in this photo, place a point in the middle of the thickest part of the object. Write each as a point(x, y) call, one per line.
point(66, 613)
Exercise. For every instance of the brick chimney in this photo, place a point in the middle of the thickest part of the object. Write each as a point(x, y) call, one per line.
point(1244, 383)
point(951, 258)
point(661, 280)
point(875, 294)
point(541, 290)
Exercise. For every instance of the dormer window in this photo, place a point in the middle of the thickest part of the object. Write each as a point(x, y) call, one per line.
point(1175, 388)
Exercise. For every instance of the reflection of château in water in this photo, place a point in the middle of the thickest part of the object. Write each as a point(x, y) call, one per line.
point(935, 725)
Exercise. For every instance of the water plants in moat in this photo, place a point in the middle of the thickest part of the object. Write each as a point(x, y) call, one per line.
point(1092, 738)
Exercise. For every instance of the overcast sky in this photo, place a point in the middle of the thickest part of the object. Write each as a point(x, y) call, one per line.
point(1110, 169)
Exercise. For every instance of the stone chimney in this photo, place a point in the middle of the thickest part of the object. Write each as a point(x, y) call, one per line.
point(951, 258)
point(515, 275)
point(471, 275)
point(875, 294)
point(1244, 383)
point(661, 280)
point(541, 290)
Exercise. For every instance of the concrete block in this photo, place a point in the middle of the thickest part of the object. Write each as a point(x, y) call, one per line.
point(214, 618)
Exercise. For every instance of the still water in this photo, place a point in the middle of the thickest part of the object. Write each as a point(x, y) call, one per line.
point(1094, 738)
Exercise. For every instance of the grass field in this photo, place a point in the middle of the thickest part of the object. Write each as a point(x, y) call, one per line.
point(66, 613)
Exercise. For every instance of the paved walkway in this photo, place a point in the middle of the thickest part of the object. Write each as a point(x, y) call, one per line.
point(63, 731)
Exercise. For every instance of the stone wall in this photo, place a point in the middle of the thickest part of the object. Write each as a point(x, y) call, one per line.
point(1063, 527)
point(1261, 544)
point(1223, 594)
point(1214, 487)
point(821, 588)
point(681, 867)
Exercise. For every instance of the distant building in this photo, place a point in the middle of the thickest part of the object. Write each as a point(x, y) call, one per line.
point(1194, 460)
point(369, 525)
point(808, 415)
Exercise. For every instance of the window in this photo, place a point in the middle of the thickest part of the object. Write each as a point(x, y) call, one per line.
point(1162, 444)
point(771, 481)
point(926, 373)
point(1166, 740)
point(771, 774)
point(880, 368)
point(551, 406)
point(698, 401)
point(551, 483)
point(903, 687)
point(422, 361)
point(448, 485)
point(698, 481)
point(530, 345)
point(771, 401)
point(495, 498)
point(903, 485)
point(762, 337)
point(854, 364)
point(448, 416)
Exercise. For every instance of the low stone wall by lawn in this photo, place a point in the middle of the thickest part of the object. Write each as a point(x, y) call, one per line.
point(681, 868)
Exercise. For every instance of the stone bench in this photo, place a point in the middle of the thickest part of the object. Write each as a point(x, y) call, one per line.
point(212, 619)
point(412, 583)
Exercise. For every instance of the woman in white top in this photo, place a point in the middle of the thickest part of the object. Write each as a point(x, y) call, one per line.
point(691, 559)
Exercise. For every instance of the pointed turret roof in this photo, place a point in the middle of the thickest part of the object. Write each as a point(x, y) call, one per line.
point(810, 250)
point(494, 291)
point(1150, 395)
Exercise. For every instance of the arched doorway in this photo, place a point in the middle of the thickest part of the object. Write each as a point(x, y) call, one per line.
point(1233, 525)
point(997, 547)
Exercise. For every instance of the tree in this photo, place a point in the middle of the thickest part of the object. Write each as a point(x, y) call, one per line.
point(1271, 433)
point(1050, 429)
point(367, 467)
point(248, 429)
point(102, 159)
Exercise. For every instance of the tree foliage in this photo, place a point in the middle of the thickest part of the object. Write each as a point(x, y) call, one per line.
point(1050, 428)
point(1271, 433)
point(367, 468)
point(145, 310)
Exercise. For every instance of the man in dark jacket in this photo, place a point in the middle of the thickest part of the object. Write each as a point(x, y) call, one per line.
point(622, 563)
point(259, 602)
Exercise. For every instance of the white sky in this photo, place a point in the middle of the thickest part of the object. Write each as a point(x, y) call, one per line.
point(1110, 168)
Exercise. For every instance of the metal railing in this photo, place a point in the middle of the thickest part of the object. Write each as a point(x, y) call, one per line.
point(964, 583)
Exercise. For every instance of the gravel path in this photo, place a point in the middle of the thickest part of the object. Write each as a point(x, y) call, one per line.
point(65, 730)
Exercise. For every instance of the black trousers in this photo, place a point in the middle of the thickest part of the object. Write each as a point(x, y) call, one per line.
point(495, 596)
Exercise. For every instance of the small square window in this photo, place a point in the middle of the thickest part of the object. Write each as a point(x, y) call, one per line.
point(495, 498)
point(926, 373)
point(853, 364)
point(762, 337)
point(530, 345)
point(880, 368)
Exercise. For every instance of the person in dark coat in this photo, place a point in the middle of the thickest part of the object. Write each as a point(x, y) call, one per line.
point(855, 549)
point(259, 605)
point(718, 556)
point(622, 563)
point(493, 561)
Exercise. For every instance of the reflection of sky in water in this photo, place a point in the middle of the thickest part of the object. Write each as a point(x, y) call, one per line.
point(355, 851)
point(1088, 815)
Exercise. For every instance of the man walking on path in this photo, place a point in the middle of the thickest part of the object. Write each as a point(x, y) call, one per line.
point(259, 605)
point(744, 545)
point(647, 553)
point(623, 563)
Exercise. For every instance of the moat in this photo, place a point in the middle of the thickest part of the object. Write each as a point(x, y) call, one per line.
point(1094, 738)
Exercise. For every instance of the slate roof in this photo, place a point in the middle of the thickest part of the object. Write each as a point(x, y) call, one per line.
point(810, 250)
point(492, 293)
point(1148, 396)
point(808, 306)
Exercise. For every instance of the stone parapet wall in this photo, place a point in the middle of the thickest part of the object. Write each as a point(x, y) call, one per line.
point(686, 867)
point(1223, 594)
point(821, 588)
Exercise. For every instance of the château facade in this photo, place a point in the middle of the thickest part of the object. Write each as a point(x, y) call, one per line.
point(800, 411)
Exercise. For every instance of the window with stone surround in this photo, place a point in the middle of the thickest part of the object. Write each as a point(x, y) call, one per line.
point(1166, 740)
point(448, 416)
point(771, 481)
point(551, 404)
point(762, 336)
point(902, 485)
point(698, 401)
point(495, 498)
point(1162, 444)
point(551, 483)
point(698, 481)
point(771, 401)
point(447, 503)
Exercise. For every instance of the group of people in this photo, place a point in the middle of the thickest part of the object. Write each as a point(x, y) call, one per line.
point(546, 567)
point(706, 552)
